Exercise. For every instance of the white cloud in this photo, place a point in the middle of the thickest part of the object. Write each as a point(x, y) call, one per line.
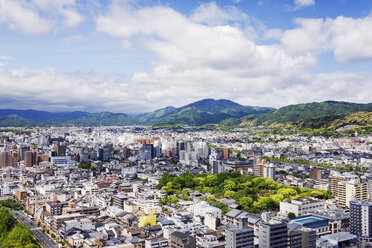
point(212, 14)
point(39, 16)
point(303, 3)
point(200, 59)
point(348, 38)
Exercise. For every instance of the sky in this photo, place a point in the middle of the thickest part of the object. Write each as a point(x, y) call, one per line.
point(134, 56)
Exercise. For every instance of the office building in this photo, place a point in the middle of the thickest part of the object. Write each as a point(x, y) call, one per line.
point(241, 236)
point(273, 233)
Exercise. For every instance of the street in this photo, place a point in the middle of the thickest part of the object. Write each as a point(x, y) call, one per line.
point(38, 231)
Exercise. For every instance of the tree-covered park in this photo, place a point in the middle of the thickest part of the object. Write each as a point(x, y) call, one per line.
point(253, 194)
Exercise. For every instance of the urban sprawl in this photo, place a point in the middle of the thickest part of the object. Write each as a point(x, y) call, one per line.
point(138, 187)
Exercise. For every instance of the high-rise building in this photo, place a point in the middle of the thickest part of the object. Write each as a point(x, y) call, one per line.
point(30, 158)
point(273, 233)
point(361, 219)
point(60, 150)
point(241, 236)
point(258, 168)
point(333, 181)
point(4, 159)
point(346, 189)
point(22, 151)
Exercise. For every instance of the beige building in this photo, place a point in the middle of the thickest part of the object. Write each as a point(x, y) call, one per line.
point(346, 189)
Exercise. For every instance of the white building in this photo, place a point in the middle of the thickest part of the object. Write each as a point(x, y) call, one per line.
point(301, 206)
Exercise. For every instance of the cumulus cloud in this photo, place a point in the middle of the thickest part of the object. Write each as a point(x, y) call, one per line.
point(212, 14)
point(202, 55)
point(39, 16)
point(298, 4)
point(349, 38)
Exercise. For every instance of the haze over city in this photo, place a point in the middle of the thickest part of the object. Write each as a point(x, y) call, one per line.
point(138, 56)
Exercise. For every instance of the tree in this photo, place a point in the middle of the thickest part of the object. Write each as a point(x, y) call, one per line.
point(291, 215)
point(229, 194)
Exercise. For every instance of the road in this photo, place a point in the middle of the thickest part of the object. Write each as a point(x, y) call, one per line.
point(38, 231)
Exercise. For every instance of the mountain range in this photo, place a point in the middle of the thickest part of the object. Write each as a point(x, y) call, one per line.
point(208, 111)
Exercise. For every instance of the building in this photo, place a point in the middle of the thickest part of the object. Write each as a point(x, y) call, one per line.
point(315, 173)
point(258, 170)
point(119, 201)
point(335, 179)
point(302, 238)
point(30, 158)
point(241, 236)
point(273, 233)
point(21, 195)
point(54, 208)
point(346, 189)
point(301, 206)
point(182, 240)
point(156, 243)
point(361, 219)
point(60, 150)
point(269, 171)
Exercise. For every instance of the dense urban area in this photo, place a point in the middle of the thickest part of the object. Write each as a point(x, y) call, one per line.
point(138, 187)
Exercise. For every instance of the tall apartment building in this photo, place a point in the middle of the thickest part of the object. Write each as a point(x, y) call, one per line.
point(8, 158)
point(361, 219)
point(258, 168)
point(335, 179)
point(30, 158)
point(346, 189)
point(241, 236)
point(273, 233)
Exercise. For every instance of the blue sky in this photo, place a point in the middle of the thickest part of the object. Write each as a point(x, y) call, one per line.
point(135, 56)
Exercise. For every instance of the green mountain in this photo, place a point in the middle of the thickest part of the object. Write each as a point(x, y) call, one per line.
point(11, 117)
point(207, 111)
point(306, 111)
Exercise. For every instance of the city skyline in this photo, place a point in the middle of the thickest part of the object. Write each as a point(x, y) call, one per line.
point(138, 56)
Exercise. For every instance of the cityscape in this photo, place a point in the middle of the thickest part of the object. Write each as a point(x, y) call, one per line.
point(185, 124)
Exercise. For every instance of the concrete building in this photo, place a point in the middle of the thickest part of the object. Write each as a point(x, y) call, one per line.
point(346, 189)
point(361, 219)
point(301, 206)
point(315, 173)
point(335, 179)
point(302, 238)
point(241, 236)
point(273, 233)
point(181, 240)
point(269, 171)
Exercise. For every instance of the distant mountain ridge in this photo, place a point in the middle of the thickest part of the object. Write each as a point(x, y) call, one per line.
point(207, 111)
